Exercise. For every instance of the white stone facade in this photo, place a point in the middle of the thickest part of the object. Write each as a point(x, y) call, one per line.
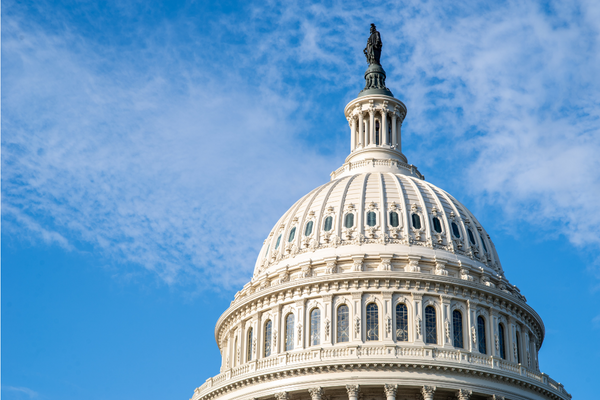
point(411, 298)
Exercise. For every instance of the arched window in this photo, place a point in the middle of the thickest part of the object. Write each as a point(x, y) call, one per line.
point(457, 327)
point(437, 225)
point(455, 230)
point(401, 323)
point(483, 243)
point(292, 234)
point(416, 220)
point(289, 332)
point(501, 341)
point(372, 322)
point(315, 327)
point(377, 133)
point(389, 131)
point(249, 346)
point(235, 352)
point(481, 336)
point(349, 220)
point(394, 221)
point(268, 331)
point(471, 237)
point(343, 324)
point(328, 224)
point(430, 325)
point(518, 348)
point(277, 243)
point(371, 218)
point(308, 229)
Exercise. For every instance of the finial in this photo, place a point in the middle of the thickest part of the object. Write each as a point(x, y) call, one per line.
point(375, 75)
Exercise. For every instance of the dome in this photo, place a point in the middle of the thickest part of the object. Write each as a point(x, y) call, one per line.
point(369, 213)
point(379, 285)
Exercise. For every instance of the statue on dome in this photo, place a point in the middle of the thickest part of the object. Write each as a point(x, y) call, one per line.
point(373, 49)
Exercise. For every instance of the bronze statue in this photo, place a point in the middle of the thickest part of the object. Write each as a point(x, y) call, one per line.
point(373, 49)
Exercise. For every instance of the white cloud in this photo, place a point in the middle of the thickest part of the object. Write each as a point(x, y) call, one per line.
point(30, 393)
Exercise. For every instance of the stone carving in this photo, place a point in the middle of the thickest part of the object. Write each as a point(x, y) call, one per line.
point(353, 390)
point(390, 390)
point(282, 396)
point(254, 346)
point(357, 265)
point(440, 268)
point(419, 326)
point(515, 353)
point(428, 392)
point(327, 326)
point(464, 394)
point(388, 324)
point(299, 333)
point(331, 267)
point(474, 335)
point(306, 272)
point(413, 264)
point(315, 393)
point(495, 397)
point(357, 325)
point(274, 339)
point(497, 341)
point(464, 275)
point(385, 264)
point(447, 330)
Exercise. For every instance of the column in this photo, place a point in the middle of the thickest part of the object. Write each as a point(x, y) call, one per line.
point(282, 396)
point(315, 393)
point(472, 326)
point(428, 392)
point(463, 394)
point(371, 126)
point(275, 331)
point(356, 322)
point(353, 391)
point(390, 391)
point(447, 318)
point(361, 130)
point(419, 323)
point(300, 329)
point(328, 320)
point(352, 121)
point(384, 131)
point(511, 345)
point(399, 134)
point(387, 314)
point(394, 130)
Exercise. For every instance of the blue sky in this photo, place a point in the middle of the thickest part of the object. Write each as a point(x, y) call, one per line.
point(149, 147)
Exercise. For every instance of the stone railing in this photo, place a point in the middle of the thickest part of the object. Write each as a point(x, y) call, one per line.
point(378, 353)
point(350, 166)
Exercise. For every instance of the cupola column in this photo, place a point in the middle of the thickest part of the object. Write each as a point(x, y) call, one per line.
point(384, 130)
point(352, 121)
point(353, 391)
point(394, 137)
point(361, 130)
point(371, 126)
point(390, 391)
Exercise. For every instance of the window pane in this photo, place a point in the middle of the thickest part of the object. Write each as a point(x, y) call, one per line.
point(401, 323)
point(249, 346)
point(416, 220)
point(267, 252)
point(315, 327)
point(277, 243)
point(430, 325)
point(308, 229)
point(483, 243)
point(455, 230)
point(371, 218)
point(471, 237)
point(289, 332)
point(437, 225)
point(481, 337)
point(501, 341)
point(349, 220)
point(292, 234)
point(343, 324)
point(394, 222)
point(457, 327)
point(268, 326)
point(372, 322)
point(328, 223)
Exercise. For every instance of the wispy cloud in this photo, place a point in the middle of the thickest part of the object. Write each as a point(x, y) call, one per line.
point(28, 392)
point(179, 151)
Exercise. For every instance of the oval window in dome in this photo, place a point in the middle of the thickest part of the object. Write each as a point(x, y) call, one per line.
point(416, 220)
point(437, 225)
point(308, 229)
point(277, 243)
point(328, 224)
point(471, 237)
point(292, 234)
point(483, 243)
point(371, 218)
point(349, 220)
point(455, 230)
point(394, 222)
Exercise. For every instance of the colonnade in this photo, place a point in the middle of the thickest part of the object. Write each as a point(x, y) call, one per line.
point(381, 127)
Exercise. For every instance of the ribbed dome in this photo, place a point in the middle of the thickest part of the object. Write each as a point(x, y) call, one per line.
point(379, 212)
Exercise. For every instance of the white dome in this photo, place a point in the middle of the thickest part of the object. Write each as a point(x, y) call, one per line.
point(301, 233)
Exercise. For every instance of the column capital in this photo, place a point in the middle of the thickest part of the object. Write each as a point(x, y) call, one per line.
point(390, 390)
point(282, 396)
point(353, 390)
point(464, 394)
point(316, 393)
point(428, 392)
